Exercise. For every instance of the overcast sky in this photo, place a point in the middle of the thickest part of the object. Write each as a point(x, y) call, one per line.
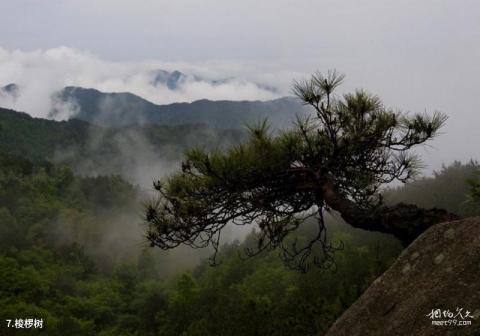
point(417, 55)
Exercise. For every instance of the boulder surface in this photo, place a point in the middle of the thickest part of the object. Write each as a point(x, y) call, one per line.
point(427, 291)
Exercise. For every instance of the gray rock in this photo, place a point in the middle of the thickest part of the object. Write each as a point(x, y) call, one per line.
point(399, 301)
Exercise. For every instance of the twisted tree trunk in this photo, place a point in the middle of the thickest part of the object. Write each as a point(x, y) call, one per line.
point(405, 221)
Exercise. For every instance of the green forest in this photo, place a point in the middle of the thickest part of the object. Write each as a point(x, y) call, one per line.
point(56, 263)
point(239, 168)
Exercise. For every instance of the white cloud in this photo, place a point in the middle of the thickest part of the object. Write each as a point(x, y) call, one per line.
point(41, 73)
point(424, 74)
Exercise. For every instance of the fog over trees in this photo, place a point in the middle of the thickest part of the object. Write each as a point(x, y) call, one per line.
point(179, 168)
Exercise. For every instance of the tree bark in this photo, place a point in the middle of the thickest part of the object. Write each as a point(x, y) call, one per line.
point(405, 221)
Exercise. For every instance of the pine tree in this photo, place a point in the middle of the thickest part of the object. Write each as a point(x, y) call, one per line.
point(334, 161)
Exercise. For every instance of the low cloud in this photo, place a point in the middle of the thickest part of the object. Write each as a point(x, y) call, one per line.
point(41, 73)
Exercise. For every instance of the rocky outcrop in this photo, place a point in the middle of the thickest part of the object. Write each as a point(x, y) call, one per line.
point(427, 291)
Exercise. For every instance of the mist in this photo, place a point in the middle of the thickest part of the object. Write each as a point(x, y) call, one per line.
point(82, 228)
point(40, 74)
point(416, 56)
point(136, 155)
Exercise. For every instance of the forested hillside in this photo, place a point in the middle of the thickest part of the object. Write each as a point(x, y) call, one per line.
point(95, 150)
point(450, 188)
point(72, 249)
point(39, 138)
point(123, 109)
point(239, 168)
point(57, 263)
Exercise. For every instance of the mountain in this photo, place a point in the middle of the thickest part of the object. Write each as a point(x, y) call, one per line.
point(11, 90)
point(138, 153)
point(106, 109)
point(123, 109)
point(38, 138)
point(172, 80)
point(175, 80)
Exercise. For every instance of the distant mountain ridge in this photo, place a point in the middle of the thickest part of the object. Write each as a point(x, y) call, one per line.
point(11, 90)
point(120, 109)
point(123, 109)
point(174, 80)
